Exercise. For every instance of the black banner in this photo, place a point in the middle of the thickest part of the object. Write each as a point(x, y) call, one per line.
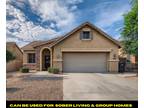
point(72, 104)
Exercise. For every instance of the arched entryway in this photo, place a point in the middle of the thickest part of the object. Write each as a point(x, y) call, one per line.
point(45, 59)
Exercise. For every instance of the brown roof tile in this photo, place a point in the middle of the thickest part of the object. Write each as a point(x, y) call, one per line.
point(51, 41)
point(35, 44)
point(30, 45)
point(56, 40)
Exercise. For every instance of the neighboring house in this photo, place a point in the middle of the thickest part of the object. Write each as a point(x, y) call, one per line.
point(15, 64)
point(84, 49)
point(130, 61)
point(131, 58)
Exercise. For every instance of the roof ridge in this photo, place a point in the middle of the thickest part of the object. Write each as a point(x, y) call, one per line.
point(50, 40)
point(14, 43)
point(56, 40)
point(93, 26)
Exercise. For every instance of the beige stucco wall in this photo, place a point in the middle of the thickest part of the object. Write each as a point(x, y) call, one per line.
point(25, 56)
point(16, 64)
point(98, 43)
point(15, 50)
point(13, 65)
point(38, 51)
point(25, 60)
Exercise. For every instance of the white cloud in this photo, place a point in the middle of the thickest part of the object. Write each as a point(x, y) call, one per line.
point(54, 10)
point(60, 15)
point(73, 1)
point(52, 25)
point(108, 18)
point(11, 10)
point(27, 30)
point(109, 13)
point(73, 8)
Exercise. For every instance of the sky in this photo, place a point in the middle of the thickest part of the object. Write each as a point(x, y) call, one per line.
point(31, 20)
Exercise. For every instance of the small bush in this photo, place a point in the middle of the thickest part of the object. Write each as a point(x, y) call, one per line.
point(9, 56)
point(24, 70)
point(53, 70)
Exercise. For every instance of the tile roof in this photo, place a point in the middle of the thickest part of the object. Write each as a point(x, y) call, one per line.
point(35, 44)
point(56, 40)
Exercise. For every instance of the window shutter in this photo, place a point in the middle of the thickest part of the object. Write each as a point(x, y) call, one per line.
point(81, 35)
point(91, 34)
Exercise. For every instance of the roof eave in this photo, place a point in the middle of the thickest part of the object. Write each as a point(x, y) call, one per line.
point(93, 26)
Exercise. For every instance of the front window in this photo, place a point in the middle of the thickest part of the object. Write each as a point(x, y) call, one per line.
point(31, 58)
point(86, 35)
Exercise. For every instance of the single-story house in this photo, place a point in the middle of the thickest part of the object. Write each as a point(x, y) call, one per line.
point(15, 64)
point(84, 49)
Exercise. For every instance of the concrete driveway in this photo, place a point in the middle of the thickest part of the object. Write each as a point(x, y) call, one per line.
point(97, 86)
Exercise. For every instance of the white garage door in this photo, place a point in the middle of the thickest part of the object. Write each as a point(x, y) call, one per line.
point(84, 62)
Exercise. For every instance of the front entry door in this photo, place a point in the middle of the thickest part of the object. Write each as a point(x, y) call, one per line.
point(47, 61)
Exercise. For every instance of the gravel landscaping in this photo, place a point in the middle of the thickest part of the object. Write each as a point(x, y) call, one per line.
point(30, 86)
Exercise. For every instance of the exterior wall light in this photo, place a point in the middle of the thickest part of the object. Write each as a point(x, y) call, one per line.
point(58, 56)
point(114, 56)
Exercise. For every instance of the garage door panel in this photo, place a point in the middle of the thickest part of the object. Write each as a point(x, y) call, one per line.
point(84, 62)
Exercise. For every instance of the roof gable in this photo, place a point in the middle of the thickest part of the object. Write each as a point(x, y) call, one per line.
point(30, 45)
point(55, 41)
point(13, 44)
point(92, 26)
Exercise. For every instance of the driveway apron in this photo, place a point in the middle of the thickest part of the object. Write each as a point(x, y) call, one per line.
point(98, 86)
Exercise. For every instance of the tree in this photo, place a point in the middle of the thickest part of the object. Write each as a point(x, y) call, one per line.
point(9, 56)
point(130, 30)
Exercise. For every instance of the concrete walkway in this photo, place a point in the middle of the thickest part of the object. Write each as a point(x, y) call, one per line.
point(97, 86)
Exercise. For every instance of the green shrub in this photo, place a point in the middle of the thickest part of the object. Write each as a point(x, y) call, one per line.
point(9, 56)
point(53, 70)
point(24, 70)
